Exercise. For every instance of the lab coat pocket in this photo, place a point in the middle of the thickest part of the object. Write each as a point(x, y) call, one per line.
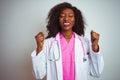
point(54, 54)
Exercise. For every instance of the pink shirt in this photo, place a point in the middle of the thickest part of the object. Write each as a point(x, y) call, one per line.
point(68, 62)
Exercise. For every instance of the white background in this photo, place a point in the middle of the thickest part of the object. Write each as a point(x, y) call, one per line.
point(21, 20)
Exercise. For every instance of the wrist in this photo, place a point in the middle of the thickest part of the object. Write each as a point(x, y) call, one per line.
point(95, 48)
point(38, 49)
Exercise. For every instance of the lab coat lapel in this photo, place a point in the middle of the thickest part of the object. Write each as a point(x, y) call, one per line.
point(79, 64)
point(59, 62)
point(78, 59)
point(78, 49)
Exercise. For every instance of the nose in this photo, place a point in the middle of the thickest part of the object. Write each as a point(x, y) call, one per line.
point(66, 18)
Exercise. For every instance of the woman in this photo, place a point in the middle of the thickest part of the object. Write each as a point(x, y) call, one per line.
point(66, 54)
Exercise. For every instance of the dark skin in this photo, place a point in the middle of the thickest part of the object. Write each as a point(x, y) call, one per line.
point(67, 20)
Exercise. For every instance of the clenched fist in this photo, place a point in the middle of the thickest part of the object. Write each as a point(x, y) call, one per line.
point(94, 40)
point(40, 41)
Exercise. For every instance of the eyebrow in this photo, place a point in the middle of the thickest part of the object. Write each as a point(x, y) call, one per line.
point(65, 13)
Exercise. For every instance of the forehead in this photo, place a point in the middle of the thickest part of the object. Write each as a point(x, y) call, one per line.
point(67, 10)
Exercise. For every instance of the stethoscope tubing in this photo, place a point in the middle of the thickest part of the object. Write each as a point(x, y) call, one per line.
point(55, 40)
point(54, 59)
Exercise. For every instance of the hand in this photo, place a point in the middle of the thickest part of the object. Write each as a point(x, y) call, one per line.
point(95, 40)
point(40, 41)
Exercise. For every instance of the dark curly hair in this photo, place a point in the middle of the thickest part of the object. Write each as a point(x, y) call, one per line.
point(53, 26)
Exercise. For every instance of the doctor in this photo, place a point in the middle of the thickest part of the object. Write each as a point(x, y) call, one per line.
point(65, 54)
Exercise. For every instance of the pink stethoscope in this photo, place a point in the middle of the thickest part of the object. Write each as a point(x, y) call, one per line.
point(52, 56)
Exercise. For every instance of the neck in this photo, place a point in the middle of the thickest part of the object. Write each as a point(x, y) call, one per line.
point(67, 34)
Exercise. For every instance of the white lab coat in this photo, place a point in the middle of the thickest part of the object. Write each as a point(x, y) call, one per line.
point(42, 66)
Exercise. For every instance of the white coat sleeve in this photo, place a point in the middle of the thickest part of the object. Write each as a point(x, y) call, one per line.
point(96, 62)
point(39, 64)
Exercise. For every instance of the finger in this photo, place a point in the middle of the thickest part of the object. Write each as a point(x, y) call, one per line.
point(39, 37)
point(42, 39)
point(40, 34)
point(93, 32)
point(93, 35)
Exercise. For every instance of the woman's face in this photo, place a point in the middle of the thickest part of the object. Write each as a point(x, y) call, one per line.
point(66, 19)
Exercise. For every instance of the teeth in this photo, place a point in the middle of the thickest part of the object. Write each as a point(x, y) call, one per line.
point(66, 24)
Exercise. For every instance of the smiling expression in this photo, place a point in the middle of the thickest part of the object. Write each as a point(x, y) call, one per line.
point(66, 19)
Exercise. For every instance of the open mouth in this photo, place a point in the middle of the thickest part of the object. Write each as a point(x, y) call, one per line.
point(66, 24)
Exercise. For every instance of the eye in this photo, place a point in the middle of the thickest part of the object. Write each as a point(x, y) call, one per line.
point(71, 15)
point(62, 16)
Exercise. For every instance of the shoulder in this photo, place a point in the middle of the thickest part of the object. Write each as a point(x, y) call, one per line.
point(48, 40)
point(86, 43)
point(47, 43)
point(85, 39)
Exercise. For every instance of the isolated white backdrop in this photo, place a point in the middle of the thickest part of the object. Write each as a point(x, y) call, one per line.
point(21, 20)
